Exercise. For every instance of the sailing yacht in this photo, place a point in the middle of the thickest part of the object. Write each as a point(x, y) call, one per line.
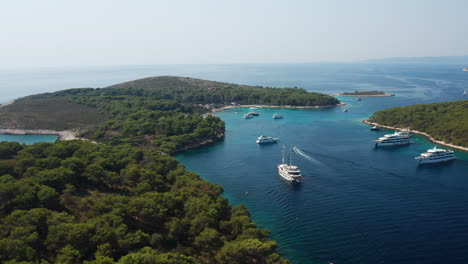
point(288, 171)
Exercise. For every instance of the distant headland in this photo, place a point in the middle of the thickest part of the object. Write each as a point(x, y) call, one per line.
point(365, 94)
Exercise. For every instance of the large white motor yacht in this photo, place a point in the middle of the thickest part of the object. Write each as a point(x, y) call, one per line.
point(436, 155)
point(289, 171)
point(265, 139)
point(397, 138)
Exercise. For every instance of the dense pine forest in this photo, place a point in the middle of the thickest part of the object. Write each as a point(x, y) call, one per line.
point(446, 121)
point(79, 202)
point(120, 197)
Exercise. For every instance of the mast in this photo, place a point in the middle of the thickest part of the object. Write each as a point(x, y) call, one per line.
point(290, 155)
point(283, 154)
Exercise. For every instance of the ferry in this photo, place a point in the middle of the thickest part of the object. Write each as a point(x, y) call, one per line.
point(265, 139)
point(289, 172)
point(435, 155)
point(276, 116)
point(397, 138)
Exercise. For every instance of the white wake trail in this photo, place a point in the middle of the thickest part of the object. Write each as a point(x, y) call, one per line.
point(300, 152)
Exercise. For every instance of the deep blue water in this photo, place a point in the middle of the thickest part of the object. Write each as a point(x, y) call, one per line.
point(29, 139)
point(358, 203)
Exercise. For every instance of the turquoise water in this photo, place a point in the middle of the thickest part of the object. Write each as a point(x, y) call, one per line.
point(29, 139)
point(358, 203)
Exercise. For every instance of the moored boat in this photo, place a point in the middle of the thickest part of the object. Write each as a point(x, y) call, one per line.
point(253, 113)
point(247, 116)
point(397, 138)
point(265, 139)
point(375, 128)
point(435, 155)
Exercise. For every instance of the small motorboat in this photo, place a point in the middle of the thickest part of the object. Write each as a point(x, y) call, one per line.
point(375, 128)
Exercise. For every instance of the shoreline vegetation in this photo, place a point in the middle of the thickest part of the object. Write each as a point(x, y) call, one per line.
point(128, 200)
point(419, 133)
point(221, 108)
point(444, 123)
point(364, 94)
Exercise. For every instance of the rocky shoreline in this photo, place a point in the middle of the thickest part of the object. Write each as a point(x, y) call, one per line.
point(420, 133)
point(364, 95)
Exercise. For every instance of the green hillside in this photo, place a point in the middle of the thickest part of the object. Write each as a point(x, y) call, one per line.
point(446, 121)
point(79, 202)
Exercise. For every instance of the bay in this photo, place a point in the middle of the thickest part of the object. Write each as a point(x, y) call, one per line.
point(358, 203)
point(29, 139)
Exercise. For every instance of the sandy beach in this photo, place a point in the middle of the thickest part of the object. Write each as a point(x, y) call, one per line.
point(364, 95)
point(420, 133)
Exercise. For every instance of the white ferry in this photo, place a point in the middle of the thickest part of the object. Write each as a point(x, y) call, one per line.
point(397, 138)
point(289, 172)
point(276, 116)
point(436, 155)
point(265, 139)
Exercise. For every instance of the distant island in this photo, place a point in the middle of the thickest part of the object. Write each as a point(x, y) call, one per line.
point(444, 123)
point(163, 113)
point(465, 69)
point(365, 94)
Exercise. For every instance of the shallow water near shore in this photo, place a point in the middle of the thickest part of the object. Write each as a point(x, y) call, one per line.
point(29, 139)
point(358, 203)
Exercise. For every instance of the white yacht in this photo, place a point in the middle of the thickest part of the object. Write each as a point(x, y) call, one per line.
point(253, 108)
point(247, 116)
point(265, 139)
point(397, 138)
point(253, 113)
point(375, 128)
point(435, 155)
point(289, 171)
point(276, 116)
point(345, 110)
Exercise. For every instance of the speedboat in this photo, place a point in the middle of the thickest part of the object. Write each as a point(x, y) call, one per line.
point(247, 116)
point(435, 155)
point(375, 128)
point(276, 116)
point(253, 113)
point(265, 139)
point(289, 172)
point(345, 110)
point(253, 108)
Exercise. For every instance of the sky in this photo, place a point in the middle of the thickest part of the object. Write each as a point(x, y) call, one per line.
point(54, 33)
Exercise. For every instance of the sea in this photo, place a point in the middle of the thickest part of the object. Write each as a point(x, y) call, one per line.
point(358, 203)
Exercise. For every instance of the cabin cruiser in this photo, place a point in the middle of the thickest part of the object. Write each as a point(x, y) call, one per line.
point(289, 172)
point(276, 116)
point(435, 155)
point(397, 138)
point(265, 139)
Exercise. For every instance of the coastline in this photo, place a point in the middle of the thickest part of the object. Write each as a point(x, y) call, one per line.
point(7, 103)
point(364, 95)
point(420, 133)
point(272, 106)
point(62, 135)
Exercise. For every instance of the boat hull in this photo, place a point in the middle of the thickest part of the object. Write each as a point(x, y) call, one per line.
point(384, 144)
point(427, 160)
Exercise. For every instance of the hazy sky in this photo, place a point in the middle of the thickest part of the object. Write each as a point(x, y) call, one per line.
point(116, 32)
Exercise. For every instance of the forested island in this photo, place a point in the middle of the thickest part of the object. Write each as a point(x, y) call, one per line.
point(119, 197)
point(163, 113)
point(447, 122)
point(365, 94)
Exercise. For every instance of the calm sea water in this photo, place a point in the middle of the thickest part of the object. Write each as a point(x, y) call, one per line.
point(29, 139)
point(358, 203)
